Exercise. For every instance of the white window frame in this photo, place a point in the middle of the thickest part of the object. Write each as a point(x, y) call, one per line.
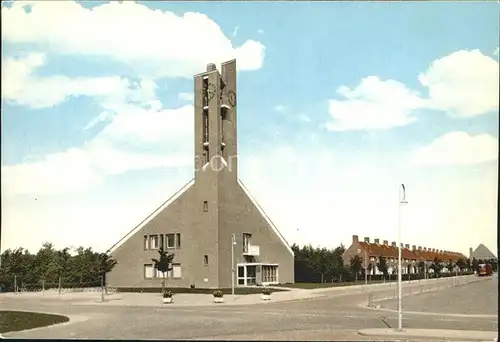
point(247, 241)
point(167, 241)
point(145, 271)
point(154, 238)
point(176, 271)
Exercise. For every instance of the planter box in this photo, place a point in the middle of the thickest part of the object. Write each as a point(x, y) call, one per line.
point(168, 300)
point(218, 300)
point(265, 297)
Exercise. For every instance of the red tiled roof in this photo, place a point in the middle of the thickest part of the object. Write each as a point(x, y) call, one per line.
point(390, 251)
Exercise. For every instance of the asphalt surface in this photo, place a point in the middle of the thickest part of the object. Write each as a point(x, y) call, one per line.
point(337, 316)
point(479, 298)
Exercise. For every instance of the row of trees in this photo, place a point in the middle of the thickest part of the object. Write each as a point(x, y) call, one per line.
point(319, 264)
point(52, 267)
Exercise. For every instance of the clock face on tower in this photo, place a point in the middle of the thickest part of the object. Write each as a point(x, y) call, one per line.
point(231, 97)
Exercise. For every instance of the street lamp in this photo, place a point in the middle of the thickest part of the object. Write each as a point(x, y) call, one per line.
point(401, 201)
point(233, 243)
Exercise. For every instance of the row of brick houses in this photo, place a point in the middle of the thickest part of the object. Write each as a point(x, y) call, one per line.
point(410, 257)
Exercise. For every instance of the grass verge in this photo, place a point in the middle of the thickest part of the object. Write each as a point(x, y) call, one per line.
point(20, 320)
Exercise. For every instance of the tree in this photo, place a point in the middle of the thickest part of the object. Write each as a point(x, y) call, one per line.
point(356, 264)
point(321, 262)
point(450, 265)
point(106, 264)
point(437, 266)
point(461, 264)
point(468, 265)
point(63, 263)
point(421, 267)
point(46, 263)
point(338, 267)
point(164, 264)
point(382, 265)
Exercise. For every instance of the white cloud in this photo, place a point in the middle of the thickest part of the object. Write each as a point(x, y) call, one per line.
point(186, 96)
point(458, 148)
point(373, 104)
point(21, 86)
point(136, 139)
point(151, 41)
point(464, 84)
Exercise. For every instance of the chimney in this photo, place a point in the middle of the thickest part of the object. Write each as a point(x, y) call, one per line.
point(355, 239)
point(386, 242)
point(377, 241)
point(413, 248)
point(367, 239)
point(393, 244)
point(420, 248)
point(407, 246)
point(471, 252)
point(211, 67)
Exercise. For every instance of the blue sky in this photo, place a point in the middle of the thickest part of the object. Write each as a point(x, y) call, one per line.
point(337, 104)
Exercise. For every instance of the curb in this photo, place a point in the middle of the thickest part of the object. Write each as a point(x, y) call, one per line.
point(433, 334)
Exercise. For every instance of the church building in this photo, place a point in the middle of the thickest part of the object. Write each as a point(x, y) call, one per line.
point(212, 221)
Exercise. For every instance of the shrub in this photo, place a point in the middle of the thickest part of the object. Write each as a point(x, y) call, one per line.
point(266, 291)
point(167, 294)
point(218, 294)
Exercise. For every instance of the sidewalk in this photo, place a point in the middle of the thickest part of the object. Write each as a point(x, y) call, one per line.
point(433, 334)
point(186, 300)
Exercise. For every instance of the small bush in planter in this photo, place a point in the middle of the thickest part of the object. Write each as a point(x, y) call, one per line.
point(266, 291)
point(167, 294)
point(218, 294)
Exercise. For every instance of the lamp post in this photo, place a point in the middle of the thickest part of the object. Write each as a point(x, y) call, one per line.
point(401, 201)
point(366, 267)
point(233, 243)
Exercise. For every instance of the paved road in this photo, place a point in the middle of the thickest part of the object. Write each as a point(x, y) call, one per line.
point(478, 298)
point(336, 316)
